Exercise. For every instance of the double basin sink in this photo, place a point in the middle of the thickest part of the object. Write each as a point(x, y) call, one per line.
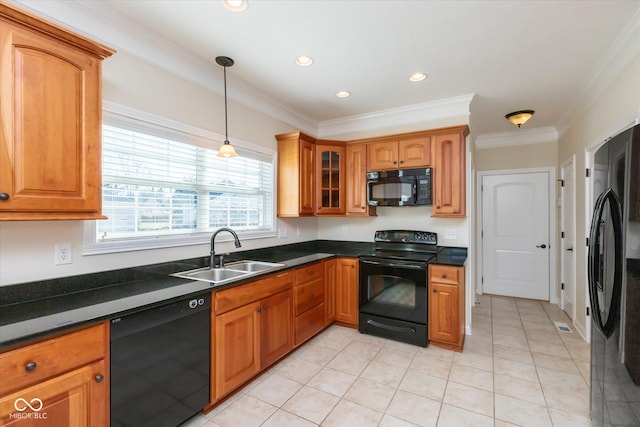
point(230, 272)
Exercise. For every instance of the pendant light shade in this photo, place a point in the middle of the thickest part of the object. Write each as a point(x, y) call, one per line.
point(227, 149)
point(519, 118)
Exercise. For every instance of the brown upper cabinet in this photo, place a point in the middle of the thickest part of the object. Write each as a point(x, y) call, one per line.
point(50, 137)
point(449, 183)
point(296, 177)
point(399, 154)
point(321, 177)
point(356, 177)
point(330, 179)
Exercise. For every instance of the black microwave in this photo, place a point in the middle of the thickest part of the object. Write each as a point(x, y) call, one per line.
point(403, 187)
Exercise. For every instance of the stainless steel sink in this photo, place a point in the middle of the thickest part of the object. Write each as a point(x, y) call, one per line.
point(213, 275)
point(251, 266)
point(232, 271)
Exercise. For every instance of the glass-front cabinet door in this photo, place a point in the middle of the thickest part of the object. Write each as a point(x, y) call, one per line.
point(330, 180)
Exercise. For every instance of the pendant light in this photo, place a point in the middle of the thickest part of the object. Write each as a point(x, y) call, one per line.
point(519, 118)
point(227, 149)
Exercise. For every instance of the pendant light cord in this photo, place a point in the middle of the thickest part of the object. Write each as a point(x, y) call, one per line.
point(226, 125)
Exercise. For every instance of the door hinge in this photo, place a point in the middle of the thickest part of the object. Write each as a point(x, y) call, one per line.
point(587, 172)
point(561, 182)
point(587, 239)
point(588, 312)
point(481, 279)
point(562, 234)
point(481, 234)
point(562, 286)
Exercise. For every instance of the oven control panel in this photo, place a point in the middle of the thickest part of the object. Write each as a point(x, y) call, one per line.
point(406, 236)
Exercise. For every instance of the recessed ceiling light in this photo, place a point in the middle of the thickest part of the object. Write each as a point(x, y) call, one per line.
point(417, 77)
point(304, 61)
point(343, 94)
point(235, 5)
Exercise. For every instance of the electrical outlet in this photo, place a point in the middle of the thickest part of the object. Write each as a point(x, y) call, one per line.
point(282, 231)
point(63, 253)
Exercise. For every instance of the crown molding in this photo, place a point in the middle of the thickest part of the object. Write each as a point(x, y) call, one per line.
point(94, 19)
point(624, 50)
point(509, 139)
point(448, 108)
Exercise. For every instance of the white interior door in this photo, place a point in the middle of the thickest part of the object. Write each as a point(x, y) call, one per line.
point(568, 219)
point(515, 235)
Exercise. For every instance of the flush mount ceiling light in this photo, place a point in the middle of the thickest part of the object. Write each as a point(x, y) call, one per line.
point(304, 61)
point(227, 149)
point(417, 77)
point(519, 118)
point(235, 5)
point(343, 94)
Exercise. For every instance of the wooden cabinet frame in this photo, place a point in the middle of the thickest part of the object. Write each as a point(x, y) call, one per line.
point(444, 150)
point(446, 306)
point(50, 138)
point(70, 375)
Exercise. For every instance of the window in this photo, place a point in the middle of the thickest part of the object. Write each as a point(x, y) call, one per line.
point(163, 186)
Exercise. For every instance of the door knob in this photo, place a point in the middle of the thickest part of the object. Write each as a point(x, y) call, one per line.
point(543, 246)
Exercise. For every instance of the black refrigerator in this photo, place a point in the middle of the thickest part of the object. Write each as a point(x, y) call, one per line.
point(614, 282)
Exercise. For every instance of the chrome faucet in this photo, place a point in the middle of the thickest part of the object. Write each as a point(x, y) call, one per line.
point(212, 258)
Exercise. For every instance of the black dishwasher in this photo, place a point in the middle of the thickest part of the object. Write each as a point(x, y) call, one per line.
point(160, 364)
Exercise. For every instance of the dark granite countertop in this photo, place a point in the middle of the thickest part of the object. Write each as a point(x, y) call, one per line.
point(33, 310)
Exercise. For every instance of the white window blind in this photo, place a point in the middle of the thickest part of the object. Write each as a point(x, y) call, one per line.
point(155, 186)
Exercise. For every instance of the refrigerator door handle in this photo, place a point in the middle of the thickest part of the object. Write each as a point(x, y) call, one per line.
point(608, 196)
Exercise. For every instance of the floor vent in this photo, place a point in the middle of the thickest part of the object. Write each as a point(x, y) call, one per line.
point(563, 327)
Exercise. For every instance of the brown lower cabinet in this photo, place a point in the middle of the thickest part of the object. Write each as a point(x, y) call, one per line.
point(65, 380)
point(329, 291)
point(252, 329)
point(346, 292)
point(258, 323)
point(446, 306)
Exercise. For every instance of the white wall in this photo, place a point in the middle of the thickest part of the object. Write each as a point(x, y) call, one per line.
point(27, 248)
point(394, 218)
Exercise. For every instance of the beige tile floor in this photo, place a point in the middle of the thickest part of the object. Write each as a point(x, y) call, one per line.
point(516, 369)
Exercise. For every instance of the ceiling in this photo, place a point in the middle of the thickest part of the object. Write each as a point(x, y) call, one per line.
point(513, 55)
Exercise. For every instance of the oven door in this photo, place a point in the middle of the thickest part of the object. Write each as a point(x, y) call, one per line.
point(393, 299)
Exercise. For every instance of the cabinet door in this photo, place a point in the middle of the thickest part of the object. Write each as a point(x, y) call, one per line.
point(347, 290)
point(356, 175)
point(306, 177)
point(329, 291)
point(330, 180)
point(415, 152)
point(382, 155)
point(444, 315)
point(237, 338)
point(276, 320)
point(449, 176)
point(77, 398)
point(51, 147)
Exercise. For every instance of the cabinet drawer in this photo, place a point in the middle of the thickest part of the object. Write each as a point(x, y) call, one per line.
point(231, 298)
point(308, 295)
point(309, 272)
point(309, 323)
point(36, 362)
point(444, 274)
